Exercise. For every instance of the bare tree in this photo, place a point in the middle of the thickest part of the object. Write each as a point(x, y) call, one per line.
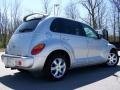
point(15, 20)
point(113, 22)
point(71, 11)
point(116, 17)
point(0, 24)
point(4, 23)
point(91, 6)
point(8, 22)
point(117, 4)
point(46, 6)
point(101, 16)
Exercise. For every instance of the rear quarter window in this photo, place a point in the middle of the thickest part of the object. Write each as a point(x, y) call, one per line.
point(28, 26)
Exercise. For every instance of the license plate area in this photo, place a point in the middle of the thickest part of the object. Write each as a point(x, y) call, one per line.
point(9, 62)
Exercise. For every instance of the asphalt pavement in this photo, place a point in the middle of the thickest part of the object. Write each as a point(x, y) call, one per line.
point(88, 78)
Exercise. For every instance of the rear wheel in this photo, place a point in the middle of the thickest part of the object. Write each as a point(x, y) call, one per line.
point(56, 67)
point(113, 59)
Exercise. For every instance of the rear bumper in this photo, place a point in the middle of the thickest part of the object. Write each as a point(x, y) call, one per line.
point(12, 61)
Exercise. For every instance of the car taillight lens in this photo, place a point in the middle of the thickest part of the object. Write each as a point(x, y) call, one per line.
point(37, 49)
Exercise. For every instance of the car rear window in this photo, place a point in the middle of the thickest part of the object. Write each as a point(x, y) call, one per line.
point(28, 26)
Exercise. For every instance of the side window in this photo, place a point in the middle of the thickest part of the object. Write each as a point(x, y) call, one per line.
point(56, 25)
point(89, 32)
point(67, 27)
point(73, 28)
point(79, 30)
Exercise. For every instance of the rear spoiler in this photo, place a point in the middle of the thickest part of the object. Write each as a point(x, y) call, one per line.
point(39, 16)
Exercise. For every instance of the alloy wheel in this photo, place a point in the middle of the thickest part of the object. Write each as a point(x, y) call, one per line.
point(112, 59)
point(58, 67)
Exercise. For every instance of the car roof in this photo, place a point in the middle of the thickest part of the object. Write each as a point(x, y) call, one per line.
point(53, 18)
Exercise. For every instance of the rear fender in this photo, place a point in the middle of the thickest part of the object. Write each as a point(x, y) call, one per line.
point(55, 44)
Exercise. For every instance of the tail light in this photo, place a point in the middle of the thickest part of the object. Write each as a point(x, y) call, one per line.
point(37, 49)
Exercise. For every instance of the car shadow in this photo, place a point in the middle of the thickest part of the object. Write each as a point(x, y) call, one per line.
point(76, 78)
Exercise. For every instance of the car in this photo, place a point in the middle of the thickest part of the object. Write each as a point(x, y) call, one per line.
point(53, 45)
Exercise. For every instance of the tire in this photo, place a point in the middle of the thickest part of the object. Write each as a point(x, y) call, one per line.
point(113, 59)
point(56, 67)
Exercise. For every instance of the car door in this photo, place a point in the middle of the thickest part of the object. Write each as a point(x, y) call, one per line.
point(74, 36)
point(95, 45)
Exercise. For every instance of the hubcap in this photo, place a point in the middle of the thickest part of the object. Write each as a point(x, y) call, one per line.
point(58, 67)
point(112, 59)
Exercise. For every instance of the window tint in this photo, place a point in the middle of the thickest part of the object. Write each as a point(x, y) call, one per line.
point(90, 32)
point(56, 25)
point(67, 26)
point(28, 26)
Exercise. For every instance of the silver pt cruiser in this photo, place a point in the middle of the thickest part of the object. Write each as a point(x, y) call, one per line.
point(53, 45)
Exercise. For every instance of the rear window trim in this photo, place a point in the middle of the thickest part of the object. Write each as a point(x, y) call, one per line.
point(18, 30)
